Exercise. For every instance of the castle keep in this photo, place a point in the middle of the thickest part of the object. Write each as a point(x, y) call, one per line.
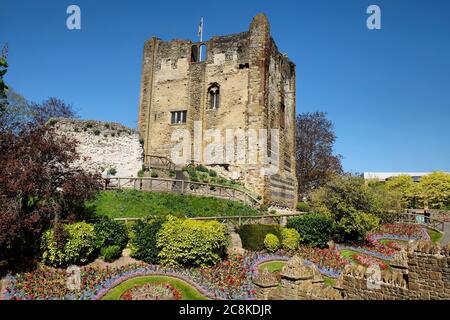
point(241, 81)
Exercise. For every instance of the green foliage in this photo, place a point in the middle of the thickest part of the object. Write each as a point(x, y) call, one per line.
point(253, 235)
point(112, 171)
point(111, 233)
point(141, 173)
point(404, 187)
point(154, 174)
point(202, 169)
point(139, 204)
point(290, 239)
point(79, 247)
point(186, 242)
point(271, 242)
point(143, 240)
point(111, 253)
point(435, 190)
point(315, 229)
point(97, 132)
point(303, 207)
point(212, 173)
point(355, 226)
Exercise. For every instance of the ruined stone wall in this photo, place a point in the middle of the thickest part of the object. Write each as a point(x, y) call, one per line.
point(424, 275)
point(254, 80)
point(422, 272)
point(103, 145)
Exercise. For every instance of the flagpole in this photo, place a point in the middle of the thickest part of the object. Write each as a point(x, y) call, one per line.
point(201, 38)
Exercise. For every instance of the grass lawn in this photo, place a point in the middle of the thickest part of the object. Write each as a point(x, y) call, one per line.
point(329, 281)
point(347, 254)
point(272, 266)
point(187, 291)
point(140, 204)
point(434, 235)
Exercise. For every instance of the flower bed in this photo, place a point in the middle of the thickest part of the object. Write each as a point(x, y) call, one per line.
point(152, 291)
point(368, 261)
point(328, 261)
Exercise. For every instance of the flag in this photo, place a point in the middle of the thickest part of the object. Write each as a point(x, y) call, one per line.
point(200, 28)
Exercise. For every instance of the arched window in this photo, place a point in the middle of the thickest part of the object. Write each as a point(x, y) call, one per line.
point(214, 96)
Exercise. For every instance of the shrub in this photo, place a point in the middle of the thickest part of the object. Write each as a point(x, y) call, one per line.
point(111, 253)
point(212, 173)
point(97, 132)
point(201, 168)
point(290, 239)
point(315, 229)
point(355, 226)
point(271, 242)
point(303, 207)
point(143, 240)
point(112, 171)
point(79, 247)
point(253, 235)
point(186, 242)
point(154, 174)
point(111, 233)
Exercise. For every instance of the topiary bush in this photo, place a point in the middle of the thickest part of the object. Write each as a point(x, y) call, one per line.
point(111, 233)
point(290, 239)
point(271, 242)
point(143, 240)
point(111, 253)
point(315, 229)
point(79, 247)
point(253, 235)
point(191, 243)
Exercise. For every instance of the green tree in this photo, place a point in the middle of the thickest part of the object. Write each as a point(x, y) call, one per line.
point(352, 205)
point(435, 190)
point(3, 86)
point(405, 187)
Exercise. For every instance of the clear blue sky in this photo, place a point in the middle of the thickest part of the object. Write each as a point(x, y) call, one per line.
point(387, 91)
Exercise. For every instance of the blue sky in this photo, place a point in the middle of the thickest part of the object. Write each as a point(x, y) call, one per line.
point(387, 91)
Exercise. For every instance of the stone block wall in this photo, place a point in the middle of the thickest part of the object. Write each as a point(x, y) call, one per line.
point(103, 145)
point(422, 272)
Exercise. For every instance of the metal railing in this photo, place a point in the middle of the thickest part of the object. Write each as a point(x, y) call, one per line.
point(237, 220)
point(412, 218)
point(181, 187)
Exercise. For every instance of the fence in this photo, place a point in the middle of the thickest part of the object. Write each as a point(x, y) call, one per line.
point(158, 162)
point(412, 218)
point(236, 220)
point(180, 186)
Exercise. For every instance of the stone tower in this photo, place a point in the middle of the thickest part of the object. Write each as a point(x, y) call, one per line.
point(241, 82)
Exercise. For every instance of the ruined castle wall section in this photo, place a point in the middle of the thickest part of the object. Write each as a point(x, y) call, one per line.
point(103, 146)
point(257, 107)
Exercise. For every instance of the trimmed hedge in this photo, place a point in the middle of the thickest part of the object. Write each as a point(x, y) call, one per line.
point(290, 239)
point(78, 248)
point(143, 240)
point(191, 243)
point(315, 229)
point(253, 235)
point(111, 233)
point(271, 242)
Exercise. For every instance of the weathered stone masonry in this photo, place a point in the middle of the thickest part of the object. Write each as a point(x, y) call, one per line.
point(255, 86)
point(422, 272)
